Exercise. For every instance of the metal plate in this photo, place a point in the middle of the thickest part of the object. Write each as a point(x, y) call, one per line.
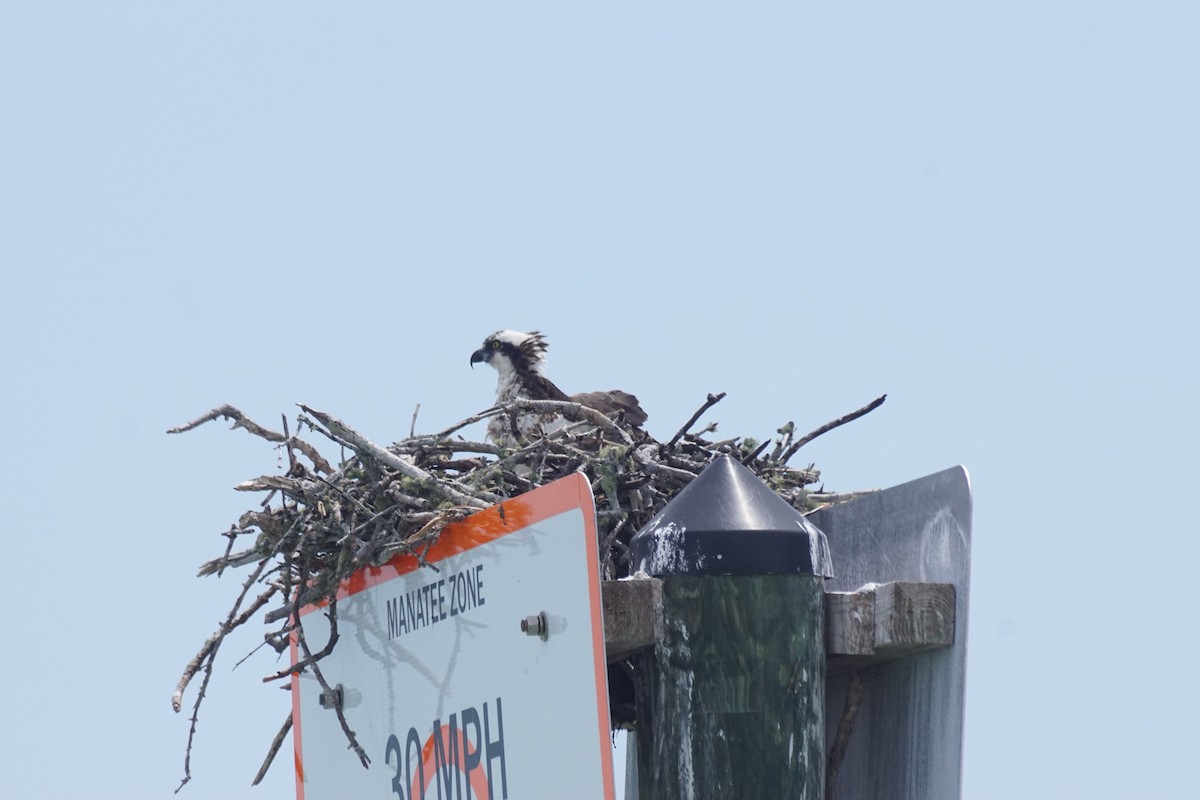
point(907, 738)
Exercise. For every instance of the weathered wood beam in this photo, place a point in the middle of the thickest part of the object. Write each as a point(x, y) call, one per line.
point(633, 612)
point(884, 622)
point(872, 625)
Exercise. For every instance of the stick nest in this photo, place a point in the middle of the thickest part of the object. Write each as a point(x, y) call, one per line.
point(318, 523)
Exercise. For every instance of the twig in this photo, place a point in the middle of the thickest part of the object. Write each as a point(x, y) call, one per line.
point(785, 439)
point(287, 439)
point(750, 459)
point(294, 486)
point(207, 656)
point(231, 536)
point(841, 740)
point(712, 400)
point(276, 743)
point(675, 473)
point(195, 719)
point(364, 446)
point(833, 498)
point(311, 660)
point(471, 420)
point(828, 426)
point(209, 650)
point(456, 446)
point(240, 420)
point(413, 427)
point(575, 412)
point(238, 559)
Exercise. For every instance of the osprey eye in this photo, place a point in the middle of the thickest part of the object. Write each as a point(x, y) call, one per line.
point(496, 345)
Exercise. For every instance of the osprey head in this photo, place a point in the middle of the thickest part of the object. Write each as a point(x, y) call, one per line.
point(513, 352)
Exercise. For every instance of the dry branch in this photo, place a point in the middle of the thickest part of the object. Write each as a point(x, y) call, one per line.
point(368, 449)
point(276, 743)
point(841, 739)
point(712, 400)
point(828, 426)
point(240, 420)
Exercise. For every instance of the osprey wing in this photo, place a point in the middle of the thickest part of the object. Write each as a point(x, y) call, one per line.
point(536, 386)
point(612, 403)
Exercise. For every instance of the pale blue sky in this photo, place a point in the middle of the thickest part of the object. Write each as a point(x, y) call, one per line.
point(988, 212)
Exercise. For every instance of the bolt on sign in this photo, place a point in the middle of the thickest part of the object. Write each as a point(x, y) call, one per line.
point(479, 676)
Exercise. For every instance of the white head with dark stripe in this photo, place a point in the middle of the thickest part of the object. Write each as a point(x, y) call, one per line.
point(519, 359)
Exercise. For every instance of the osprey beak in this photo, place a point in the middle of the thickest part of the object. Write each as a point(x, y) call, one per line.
point(477, 356)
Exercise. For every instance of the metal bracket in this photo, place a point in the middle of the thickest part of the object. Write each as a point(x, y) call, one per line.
point(334, 701)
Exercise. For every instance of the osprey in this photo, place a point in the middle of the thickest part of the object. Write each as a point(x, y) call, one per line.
point(519, 359)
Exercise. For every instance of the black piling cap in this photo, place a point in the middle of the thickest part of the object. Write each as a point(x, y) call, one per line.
point(728, 522)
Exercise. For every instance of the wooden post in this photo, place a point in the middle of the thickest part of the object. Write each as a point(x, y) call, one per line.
point(731, 699)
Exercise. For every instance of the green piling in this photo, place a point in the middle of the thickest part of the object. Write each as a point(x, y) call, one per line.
point(730, 702)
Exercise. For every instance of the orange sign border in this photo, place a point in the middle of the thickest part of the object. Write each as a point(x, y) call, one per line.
point(482, 528)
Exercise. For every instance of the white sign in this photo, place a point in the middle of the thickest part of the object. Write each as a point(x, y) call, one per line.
point(445, 693)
